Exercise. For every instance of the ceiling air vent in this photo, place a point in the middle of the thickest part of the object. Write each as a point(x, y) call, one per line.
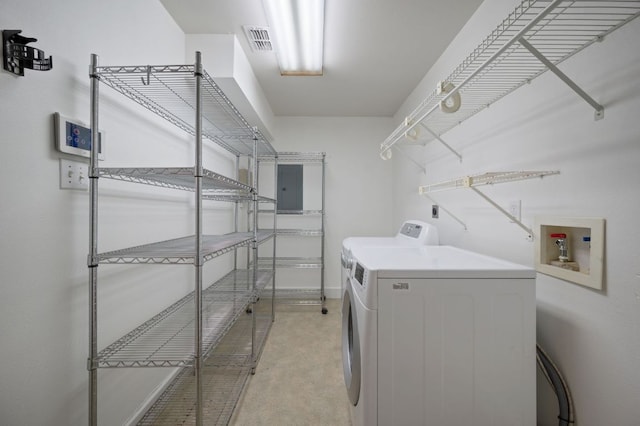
point(259, 38)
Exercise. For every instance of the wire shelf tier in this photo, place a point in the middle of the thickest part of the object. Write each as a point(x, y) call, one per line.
point(292, 212)
point(501, 63)
point(167, 339)
point(291, 262)
point(489, 178)
point(296, 296)
point(234, 350)
point(295, 157)
point(300, 232)
point(222, 387)
point(224, 376)
point(300, 212)
point(182, 250)
point(182, 178)
point(262, 199)
point(170, 92)
point(239, 197)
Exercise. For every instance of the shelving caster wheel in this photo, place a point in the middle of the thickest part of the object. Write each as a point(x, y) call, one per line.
point(324, 311)
point(249, 308)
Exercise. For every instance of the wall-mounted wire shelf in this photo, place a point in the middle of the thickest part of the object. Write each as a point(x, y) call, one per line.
point(182, 250)
point(170, 92)
point(490, 178)
point(535, 37)
point(167, 339)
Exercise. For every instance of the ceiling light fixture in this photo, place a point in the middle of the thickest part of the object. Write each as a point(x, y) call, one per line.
point(298, 30)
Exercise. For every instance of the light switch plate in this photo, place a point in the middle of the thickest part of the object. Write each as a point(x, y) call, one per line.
point(74, 175)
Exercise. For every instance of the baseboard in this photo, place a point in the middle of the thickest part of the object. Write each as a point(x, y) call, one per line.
point(333, 293)
point(151, 399)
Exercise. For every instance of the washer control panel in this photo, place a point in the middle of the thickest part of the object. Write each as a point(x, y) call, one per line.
point(411, 230)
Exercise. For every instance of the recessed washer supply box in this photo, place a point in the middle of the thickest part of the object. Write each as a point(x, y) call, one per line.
point(585, 239)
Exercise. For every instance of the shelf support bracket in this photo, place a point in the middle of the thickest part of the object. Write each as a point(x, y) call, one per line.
point(599, 113)
point(408, 157)
point(512, 218)
point(439, 139)
point(464, 225)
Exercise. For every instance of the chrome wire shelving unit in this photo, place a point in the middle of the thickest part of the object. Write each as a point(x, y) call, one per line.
point(536, 37)
point(195, 332)
point(315, 230)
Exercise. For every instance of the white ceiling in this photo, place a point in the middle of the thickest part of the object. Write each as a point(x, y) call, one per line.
point(375, 51)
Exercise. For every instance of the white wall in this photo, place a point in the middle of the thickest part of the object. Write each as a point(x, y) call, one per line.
point(44, 230)
point(357, 192)
point(594, 337)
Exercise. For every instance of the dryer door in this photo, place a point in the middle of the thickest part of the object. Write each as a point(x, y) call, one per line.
point(350, 344)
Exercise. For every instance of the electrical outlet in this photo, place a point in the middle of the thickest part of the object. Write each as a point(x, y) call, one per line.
point(74, 175)
point(435, 210)
point(515, 207)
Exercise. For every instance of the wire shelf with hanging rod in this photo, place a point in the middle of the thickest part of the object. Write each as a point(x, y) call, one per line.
point(169, 91)
point(534, 38)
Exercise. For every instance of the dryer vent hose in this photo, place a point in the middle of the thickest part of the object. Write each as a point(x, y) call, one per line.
point(566, 415)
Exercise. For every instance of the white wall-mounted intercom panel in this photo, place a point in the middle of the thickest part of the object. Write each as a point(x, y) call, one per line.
point(74, 137)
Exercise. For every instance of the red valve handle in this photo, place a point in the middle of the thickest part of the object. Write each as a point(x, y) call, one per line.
point(558, 235)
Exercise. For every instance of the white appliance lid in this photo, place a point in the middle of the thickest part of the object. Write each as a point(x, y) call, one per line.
point(411, 233)
point(435, 262)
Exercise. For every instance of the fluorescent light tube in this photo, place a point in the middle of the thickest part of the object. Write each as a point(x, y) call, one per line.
point(298, 30)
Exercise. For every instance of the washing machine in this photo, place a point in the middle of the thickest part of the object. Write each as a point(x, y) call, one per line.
point(436, 335)
point(412, 233)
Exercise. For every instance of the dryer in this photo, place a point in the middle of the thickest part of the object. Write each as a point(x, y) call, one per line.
point(412, 233)
point(437, 335)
